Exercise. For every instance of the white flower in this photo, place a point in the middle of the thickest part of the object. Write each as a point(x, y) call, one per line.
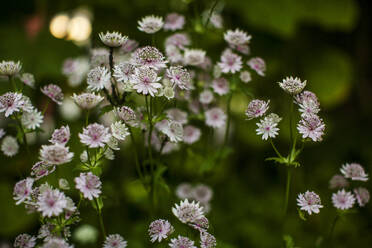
point(98, 78)
point(123, 72)
point(338, 182)
point(178, 115)
point(202, 193)
point(194, 56)
point(159, 230)
point(311, 126)
point(22, 190)
point(174, 131)
point(292, 85)
point(32, 120)
point(207, 240)
point(10, 68)
point(245, 76)
point(220, 86)
point(149, 56)
point(215, 117)
point(41, 169)
point(354, 171)
point(28, 79)
point(343, 200)
point(179, 76)
point(257, 64)
point(191, 134)
point(119, 130)
point(188, 212)
point(256, 108)
point(206, 97)
point(2, 133)
point(173, 54)
point(24, 241)
point(109, 154)
point(11, 102)
point(56, 242)
point(127, 115)
point(87, 100)
point(9, 146)
point(181, 242)
point(146, 80)
point(150, 24)
point(51, 202)
point(55, 154)
point(362, 196)
point(230, 62)
point(61, 136)
point(114, 241)
point(237, 37)
point(89, 185)
point(267, 127)
point(178, 40)
point(184, 190)
point(309, 201)
point(95, 135)
point(54, 92)
point(174, 21)
point(112, 39)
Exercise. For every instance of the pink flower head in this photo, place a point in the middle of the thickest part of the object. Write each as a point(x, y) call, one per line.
point(230, 62)
point(22, 190)
point(215, 117)
point(311, 126)
point(174, 21)
point(54, 92)
point(149, 56)
point(61, 136)
point(95, 135)
point(89, 185)
point(257, 64)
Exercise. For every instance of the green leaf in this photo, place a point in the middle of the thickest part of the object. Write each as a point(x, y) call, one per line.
point(301, 214)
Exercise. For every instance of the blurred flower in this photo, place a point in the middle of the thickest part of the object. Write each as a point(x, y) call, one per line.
point(160, 229)
point(362, 196)
point(149, 56)
point(99, 57)
point(63, 184)
point(230, 62)
point(56, 242)
point(112, 39)
point(207, 240)
point(178, 40)
point(25, 241)
point(11, 102)
point(257, 64)
point(22, 190)
point(311, 126)
point(10, 68)
point(188, 212)
point(95, 135)
point(256, 108)
point(292, 85)
point(98, 78)
point(41, 169)
point(343, 200)
point(9, 146)
point(191, 135)
point(237, 37)
point(86, 234)
point(146, 81)
point(338, 182)
point(119, 130)
point(202, 193)
point(308, 103)
point(69, 110)
point(129, 46)
point(184, 190)
point(194, 56)
point(173, 54)
point(177, 115)
point(216, 20)
point(215, 117)
point(150, 24)
point(179, 76)
point(109, 154)
point(2, 133)
point(174, 131)
point(309, 201)
point(51, 202)
point(267, 127)
point(55, 154)
point(123, 72)
point(174, 21)
point(28, 79)
point(54, 92)
point(220, 86)
point(181, 242)
point(61, 136)
point(245, 76)
point(127, 115)
point(89, 185)
point(32, 120)
point(87, 100)
point(206, 97)
point(354, 171)
point(201, 224)
point(115, 241)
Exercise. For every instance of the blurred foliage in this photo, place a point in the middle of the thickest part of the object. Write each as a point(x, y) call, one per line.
point(326, 42)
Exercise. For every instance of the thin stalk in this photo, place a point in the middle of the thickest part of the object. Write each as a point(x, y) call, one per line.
point(11, 80)
point(24, 138)
point(111, 61)
point(210, 13)
point(46, 107)
point(289, 176)
point(138, 167)
point(100, 219)
point(275, 149)
point(87, 118)
point(228, 106)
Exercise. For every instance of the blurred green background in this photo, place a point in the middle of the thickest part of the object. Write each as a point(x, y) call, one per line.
point(327, 42)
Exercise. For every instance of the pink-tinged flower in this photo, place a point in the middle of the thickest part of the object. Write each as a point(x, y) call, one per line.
point(112, 39)
point(202, 193)
point(146, 80)
point(362, 196)
point(184, 190)
point(188, 212)
point(87, 100)
point(119, 130)
point(354, 171)
point(177, 115)
point(201, 224)
point(129, 46)
point(174, 21)
point(207, 240)
point(9, 146)
point(89, 185)
point(179, 76)
point(181, 242)
point(98, 78)
point(220, 86)
point(306, 96)
point(244, 49)
point(55, 154)
point(343, 200)
point(32, 120)
point(10, 103)
point(258, 65)
point(10, 68)
point(194, 57)
point(115, 241)
point(215, 117)
point(159, 230)
point(179, 40)
point(41, 169)
point(256, 108)
point(149, 56)
point(95, 135)
point(292, 85)
point(2, 133)
point(216, 20)
point(230, 62)
point(61, 136)
point(174, 131)
point(245, 76)
point(28, 79)
point(191, 134)
point(123, 72)
point(173, 54)
point(56, 242)
point(54, 92)
point(25, 241)
point(267, 127)
point(237, 37)
point(22, 190)
point(99, 57)
point(51, 202)
point(309, 202)
point(311, 126)
point(338, 182)
point(127, 115)
point(206, 97)
point(150, 24)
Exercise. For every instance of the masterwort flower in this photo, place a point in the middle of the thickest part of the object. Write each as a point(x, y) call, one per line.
point(179, 76)
point(56, 242)
point(256, 108)
point(178, 115)
point(194, 57)
point(292, 85)
point(22, 190)
point(11, 102)
point(338, 182)
point(188, 212)
point(10, 68)
point(32, 120)
point(267, 127)
point(54, 92)
point(123, 72)
point(55, 154)
point(354, 171)
point(113, 39)
point(309, 201)
point(237, 37)
point(28, 79)
point(343, 199)
point(220, 86)
point(41, 169)
point(150, 24)
point(87, 100)
point(51, 202)
point(95, 135)
point(207, 240)
point(362, 196)
point(245, 76)
point(127, 115)
point(230, 62)
point(9, 146)
point(191, 134)
point(98, 78)
point(178, 40)
point(146, 80)
point(174, 131)
point(159, 230)
point(181, 242)
point(174, 21)
point(311, 126)
point(215, 117)
point(149, 56)
point(25, 241)
point(206, 96)
point(257, 64)
point(61, 136)
point(115, 241)
point(89, 185)
point(119, 130)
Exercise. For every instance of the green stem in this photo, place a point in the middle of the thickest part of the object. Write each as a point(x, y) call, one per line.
point(275, 149)
point(100, 219)
point(23, 133)
point(46, 107)
point(87, 118)
point(210, 13)
point(228, 119)
point(289, 176)
point(138, 167)
point(11, 80)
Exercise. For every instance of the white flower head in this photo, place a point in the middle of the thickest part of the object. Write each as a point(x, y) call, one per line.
point(191, 134)
point(206, 96)
point(87, 100)
point(343, 199)
point(23, 190)
point(150, 24)
point(257, 64)
point(149, 56)
point(61, 136)
point(112, 39)
point(10, 68)
point(32, 120)
point(11, 102)
point(119, 130)
point(309, 202)
point(215, 117)
point(55, 154)
point(9, 146)
point(89, 185)
point(181, 242)
point(95, 135)
point(51, 202)
point(115, 241)
point(98, 78)
point(127, 114)
point(362, 196)
point(237, 37)
point(56, 242)
point(256, 108)
point(184, 190)
point(194, 57)
point(354, 171)
point(230, 62)
point(292, 85)
point(245, 76)
point(146, 80)
point(267, 127)
point(178, 40)
point(24, 241)
point(202, 193)
point(28, 79)
point(220, 86)
point(188, 212)
point(159, 230)
point(41, 169)
point(207, 240)
point(54, 92)
point(123, 72)
point(311, 126)
point(174, 21)
point(177, 115)
point(179, 76)
point(174, 131)
point(338, 182)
